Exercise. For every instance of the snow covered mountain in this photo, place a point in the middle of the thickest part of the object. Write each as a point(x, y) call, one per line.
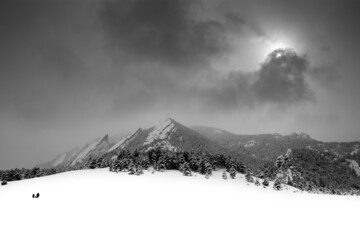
point(93, 149)
point(268, 146)
point(96, 148)
point(168, 135)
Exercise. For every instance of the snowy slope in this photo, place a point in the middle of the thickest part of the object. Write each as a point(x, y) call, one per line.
point(171, 135)
point(60, 159)
point(64, 158)
point(97, 204)
point(95, 148)
point(160, 136)
point(168, 135)
point(123, 142)
point(162, 131)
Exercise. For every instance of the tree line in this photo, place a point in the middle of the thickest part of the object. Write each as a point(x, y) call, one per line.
point(161, 160)
point(313, 171)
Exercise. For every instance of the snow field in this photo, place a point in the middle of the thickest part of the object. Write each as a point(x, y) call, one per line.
point(98, 204)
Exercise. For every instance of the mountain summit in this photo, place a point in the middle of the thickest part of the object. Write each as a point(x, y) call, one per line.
point(169, 135)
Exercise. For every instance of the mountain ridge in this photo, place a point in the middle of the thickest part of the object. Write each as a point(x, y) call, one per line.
point(171, 135)
point(269, 146)
point(168, 135)
point(77, 155)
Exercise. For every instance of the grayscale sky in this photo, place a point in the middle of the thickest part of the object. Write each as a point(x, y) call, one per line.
point(71, 71)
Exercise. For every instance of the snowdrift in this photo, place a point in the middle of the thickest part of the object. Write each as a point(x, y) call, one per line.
point(98, 204)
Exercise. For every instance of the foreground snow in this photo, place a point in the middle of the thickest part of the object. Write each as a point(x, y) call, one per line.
point(98, 204)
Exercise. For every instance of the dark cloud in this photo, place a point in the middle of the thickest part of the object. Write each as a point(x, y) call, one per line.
point(163, 31)
point(76, 68)
point(232, 93)
point(280, 81)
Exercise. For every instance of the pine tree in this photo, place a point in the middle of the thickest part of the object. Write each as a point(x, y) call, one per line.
point(161, 166)
point(186, 169)
point(35, 172)
point(249, 178)
point(111, 169)
point(92, 163)
point(208, 168)
point(116, 166)
point(104, 163)
point(242, 168)
point(232, 172)
point(99, 162)
point(277, 185)
point(132, 169)
point(224, 175)
point(265, 183)
point(290, 183)
point(139, 170)
point(144, 162)
point(309, 187)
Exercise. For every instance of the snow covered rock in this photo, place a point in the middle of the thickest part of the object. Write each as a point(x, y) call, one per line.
point(161, 135)
point(251, 143)
point(354, 165)
point(125, 141)
point(95, 148)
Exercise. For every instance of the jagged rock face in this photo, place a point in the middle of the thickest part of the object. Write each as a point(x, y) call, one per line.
point(173, 136)
point(161, 135)
point(123, 143)
point(283, 160)
point(65, 157)
point(285, 173)
point(168, 135)
point(144, 140)
point(97, 148)
point(300, 135)
point(94, 149)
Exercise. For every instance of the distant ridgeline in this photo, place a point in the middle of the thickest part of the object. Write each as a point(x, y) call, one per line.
point(295, 159)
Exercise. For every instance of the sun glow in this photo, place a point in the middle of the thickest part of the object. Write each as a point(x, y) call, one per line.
point(269, 45)
point(273, 45)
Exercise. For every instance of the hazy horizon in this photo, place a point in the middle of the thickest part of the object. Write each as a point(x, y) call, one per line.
point(72, 71)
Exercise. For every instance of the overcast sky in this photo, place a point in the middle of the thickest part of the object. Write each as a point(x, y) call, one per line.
point(71, 71)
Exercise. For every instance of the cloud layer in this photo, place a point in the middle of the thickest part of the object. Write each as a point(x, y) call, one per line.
point(280, 82)
point(73, 70)
point(162, 31)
